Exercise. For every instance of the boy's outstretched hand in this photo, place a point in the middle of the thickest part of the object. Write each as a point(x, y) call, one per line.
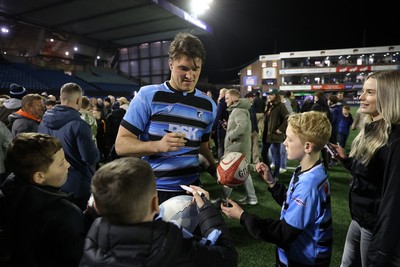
point(264, 171)
point(234, 211)
point(198, 194)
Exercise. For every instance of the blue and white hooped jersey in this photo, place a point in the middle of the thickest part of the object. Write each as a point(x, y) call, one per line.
point(159, 108)
point(308, 207)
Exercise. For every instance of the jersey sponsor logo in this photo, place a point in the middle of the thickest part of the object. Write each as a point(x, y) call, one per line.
point(188, 130)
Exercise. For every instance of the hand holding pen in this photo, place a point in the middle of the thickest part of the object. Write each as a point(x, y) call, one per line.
point(200, 195)
point(172, 141)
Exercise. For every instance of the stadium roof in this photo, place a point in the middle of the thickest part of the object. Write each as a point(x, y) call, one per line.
point(101, 23)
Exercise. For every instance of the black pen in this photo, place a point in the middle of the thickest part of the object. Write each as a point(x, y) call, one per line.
point(168, 131)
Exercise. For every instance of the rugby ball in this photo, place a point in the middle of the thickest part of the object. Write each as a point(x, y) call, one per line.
point(233, 169)
point(182, 211)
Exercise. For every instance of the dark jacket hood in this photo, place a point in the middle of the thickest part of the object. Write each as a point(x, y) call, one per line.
point(59, 116)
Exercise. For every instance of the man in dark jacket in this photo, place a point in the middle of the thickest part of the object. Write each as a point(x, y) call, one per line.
point(27, 119)
point(44, 228)
point(130, 233)
point(274, 130)
point(65, 123)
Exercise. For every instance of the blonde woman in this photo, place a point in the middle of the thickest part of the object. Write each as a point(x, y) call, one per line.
point(373, 238)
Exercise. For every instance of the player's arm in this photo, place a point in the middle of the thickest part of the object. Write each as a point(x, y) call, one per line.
point(206, 152)
point(128, 144)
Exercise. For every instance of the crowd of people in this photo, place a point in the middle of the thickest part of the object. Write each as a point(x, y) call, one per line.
point(83, 178)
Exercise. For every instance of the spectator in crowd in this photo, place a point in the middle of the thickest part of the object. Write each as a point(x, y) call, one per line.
point(169, 124)
point(28, 117)
point(274, 129)
point(100, 104)
point(49, 104)
point(259, 105)
point(112, 99)
point(288, 104)
point(357, 120)
point(107, 107)
point(44, 228)
point(123, 103)
point(345, 122)
point(308, 102)
point(93, 102)
point(87, 115)
point(65, 123)
point(294, 102)
point(3, 98)
point(237, 140)
point(100, 136)
point(5, 139)
point(125, 195)
point(340, 96)
point(254, 130)
point(321, 104)
point(220, 122)
point(373, 238)
point(113, 120)
point(336, 111)
point(52, 97)
point(17, 92)
point(303, 234)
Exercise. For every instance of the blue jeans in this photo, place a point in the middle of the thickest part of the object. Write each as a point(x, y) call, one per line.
point(283, 156)
point(356, 246)
point(276, 156)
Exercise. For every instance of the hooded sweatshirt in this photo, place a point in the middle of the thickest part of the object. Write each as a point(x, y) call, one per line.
point(81, 152)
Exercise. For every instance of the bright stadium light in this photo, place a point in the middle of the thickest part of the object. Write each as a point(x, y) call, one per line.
point(4, 30)
point(200, 6)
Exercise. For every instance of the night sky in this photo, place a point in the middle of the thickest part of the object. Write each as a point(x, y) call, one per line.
point(245, 29)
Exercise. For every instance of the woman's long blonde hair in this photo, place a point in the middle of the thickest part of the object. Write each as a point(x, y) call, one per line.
point(368, 142)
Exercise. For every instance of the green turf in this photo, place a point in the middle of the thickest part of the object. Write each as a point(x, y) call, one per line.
point(260, 253)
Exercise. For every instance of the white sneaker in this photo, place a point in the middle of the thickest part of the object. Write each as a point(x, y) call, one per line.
point(281, 170)
point(245, 201)
point(272, 166)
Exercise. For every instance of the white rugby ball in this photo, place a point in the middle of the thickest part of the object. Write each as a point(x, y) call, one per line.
point(182, 211)
point(233, 169)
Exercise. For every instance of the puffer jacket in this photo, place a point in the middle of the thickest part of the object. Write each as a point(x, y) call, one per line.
point(238, 130)
point(158, 243)
point(45, 229)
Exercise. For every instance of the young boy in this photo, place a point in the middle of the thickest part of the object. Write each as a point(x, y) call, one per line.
point(44, 227)
point(125, 194)
point(303, 234)
point(345, 123)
